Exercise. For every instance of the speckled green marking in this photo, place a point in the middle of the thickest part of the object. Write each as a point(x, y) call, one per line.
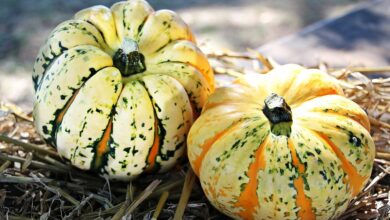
point(58, 87)
point(58, 42)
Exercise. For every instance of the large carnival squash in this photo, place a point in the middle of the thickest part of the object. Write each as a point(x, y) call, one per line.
point(116, 90)
point(284, 145)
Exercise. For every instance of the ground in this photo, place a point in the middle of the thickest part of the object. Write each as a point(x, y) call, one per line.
point(230, 24)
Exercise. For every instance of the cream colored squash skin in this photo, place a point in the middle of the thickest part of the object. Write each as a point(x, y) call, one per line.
point(117, 89)
point(284, 145)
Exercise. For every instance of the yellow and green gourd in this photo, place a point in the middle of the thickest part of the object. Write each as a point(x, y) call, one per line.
point(284, 145)
point(117, 89)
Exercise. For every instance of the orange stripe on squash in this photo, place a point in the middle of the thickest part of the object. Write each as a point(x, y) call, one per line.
point(303, 202)
point(306, 211)
point(324, 92)
point(102, 146)
point(355, 179)
point(362, 120)
point(155, 147)
point(208, 144)
point(248, 199)
point(60, 116)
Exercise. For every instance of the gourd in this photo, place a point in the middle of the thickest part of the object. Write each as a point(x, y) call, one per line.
point(284, 145)
point(117, 89)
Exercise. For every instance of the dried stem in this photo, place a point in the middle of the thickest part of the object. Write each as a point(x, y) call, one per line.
point(35, 164)
point(365, 70)
point(21, 179)
point(143, 196)
point(128, 208)
point(160, 205)
point(28, 146)
point(185, 194)
point(5, 165)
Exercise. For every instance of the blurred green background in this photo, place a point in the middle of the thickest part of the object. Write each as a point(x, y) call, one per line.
point(230, 24)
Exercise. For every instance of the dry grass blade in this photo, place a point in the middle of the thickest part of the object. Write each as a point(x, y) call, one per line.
point(66, 195)
point(5, 165)
point(127, 208)
point(36, 164)
point(379, 123)
point(52, 161)
point(383, 155)
point(22, 179)
point(185, 194)
point(28, 146)
point(57, 191)
point(110, 211)
point(166, 186)
point(376, 180)
point(78, 207)
point(228, 72)
point(27, 162)
point(230, 55)
point(103, 201)
point(382, 161)
point(268, 63)
point(366, 70)
point(160, 204)
point(122, 210)
point(11, 217)
point(142, 197)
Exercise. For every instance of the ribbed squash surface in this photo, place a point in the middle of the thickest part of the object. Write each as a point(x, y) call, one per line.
point(248, 172)
point(101, 118)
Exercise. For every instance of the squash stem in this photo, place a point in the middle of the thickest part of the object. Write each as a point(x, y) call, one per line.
point(279, 115)
point(128, 59)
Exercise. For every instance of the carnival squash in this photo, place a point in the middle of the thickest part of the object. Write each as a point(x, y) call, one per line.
point(117, 89)
point(284, 145)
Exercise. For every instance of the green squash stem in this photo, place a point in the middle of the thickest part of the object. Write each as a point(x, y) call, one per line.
point(279, 115)
point(128, 59)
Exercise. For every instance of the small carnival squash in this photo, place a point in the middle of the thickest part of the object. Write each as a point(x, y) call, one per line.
point(116, 90)
point(284, 145)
